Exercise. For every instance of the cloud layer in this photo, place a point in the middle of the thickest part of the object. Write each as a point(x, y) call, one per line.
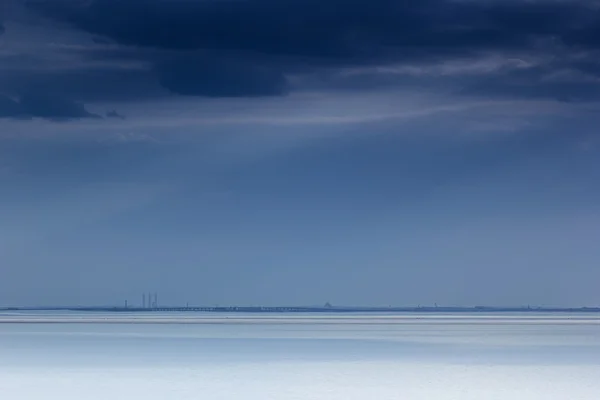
point(353, 31)
point(114, 51)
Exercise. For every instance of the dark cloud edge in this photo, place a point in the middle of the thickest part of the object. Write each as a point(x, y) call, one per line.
point(43, 106)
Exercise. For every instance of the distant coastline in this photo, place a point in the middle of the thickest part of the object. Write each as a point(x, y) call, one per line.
point(326, 309)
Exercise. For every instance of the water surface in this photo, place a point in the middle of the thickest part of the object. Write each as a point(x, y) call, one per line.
point(65, 355)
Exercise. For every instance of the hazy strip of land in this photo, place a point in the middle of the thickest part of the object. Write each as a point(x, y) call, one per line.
point(311, 309)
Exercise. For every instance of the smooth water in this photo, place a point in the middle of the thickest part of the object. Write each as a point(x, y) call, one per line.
point(298, 356)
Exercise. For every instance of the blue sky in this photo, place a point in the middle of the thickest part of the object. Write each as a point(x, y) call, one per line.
point(292, 153)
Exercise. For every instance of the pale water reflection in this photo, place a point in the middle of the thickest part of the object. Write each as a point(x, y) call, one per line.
point(290, 356)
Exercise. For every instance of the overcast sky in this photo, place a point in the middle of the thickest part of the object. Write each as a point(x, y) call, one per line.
point(374, 152)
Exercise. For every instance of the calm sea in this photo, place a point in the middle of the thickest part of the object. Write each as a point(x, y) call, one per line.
point(151, 356)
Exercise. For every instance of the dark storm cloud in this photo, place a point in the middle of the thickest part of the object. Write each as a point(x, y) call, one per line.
point(35, 105)
point(87, 84)
point(220, 78)
point(351, 29)
point(254, 48)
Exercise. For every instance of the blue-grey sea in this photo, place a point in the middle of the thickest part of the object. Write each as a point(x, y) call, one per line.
point(206, 356)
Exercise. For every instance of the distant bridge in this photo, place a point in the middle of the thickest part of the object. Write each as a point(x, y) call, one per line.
point(282, 309)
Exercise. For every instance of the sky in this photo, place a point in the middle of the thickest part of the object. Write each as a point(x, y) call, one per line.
point(297, 152)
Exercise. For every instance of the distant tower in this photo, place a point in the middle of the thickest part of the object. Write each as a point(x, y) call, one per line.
point(143, 300)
